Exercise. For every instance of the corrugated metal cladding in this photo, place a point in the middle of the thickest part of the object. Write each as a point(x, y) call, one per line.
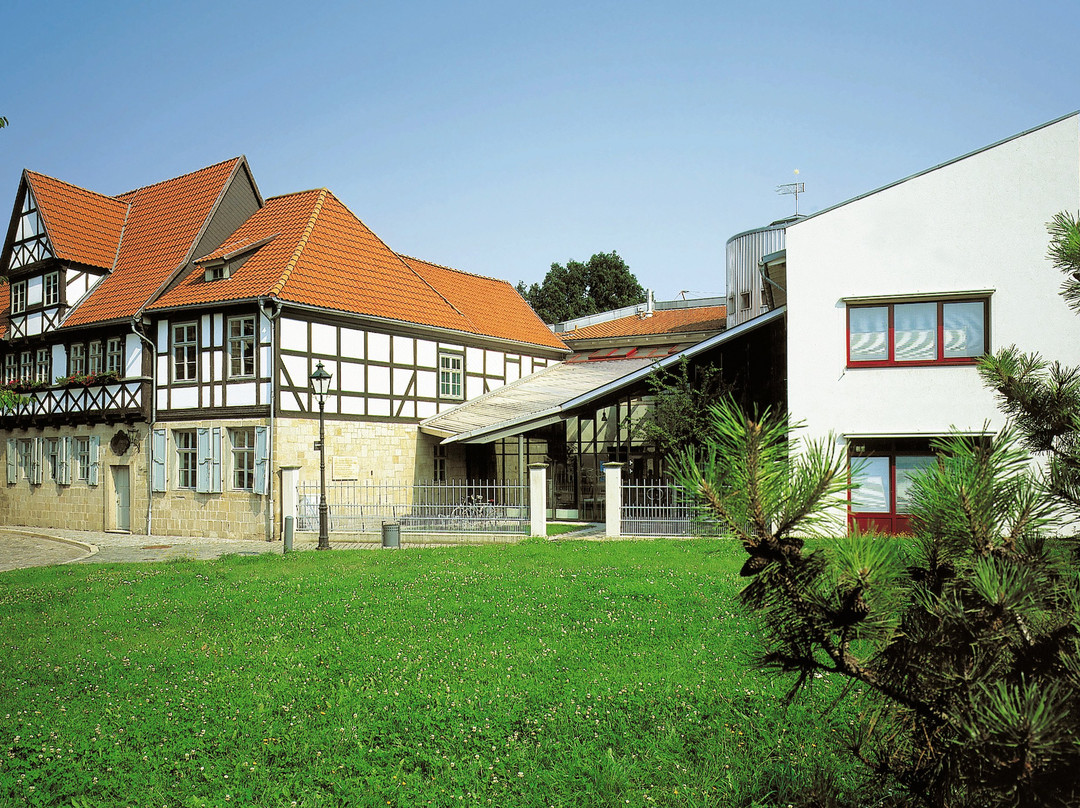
point(743, 278)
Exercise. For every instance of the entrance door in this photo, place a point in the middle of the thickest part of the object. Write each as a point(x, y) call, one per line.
point(122, 489)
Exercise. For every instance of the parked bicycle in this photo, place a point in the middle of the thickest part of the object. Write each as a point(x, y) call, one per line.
point(474, 512)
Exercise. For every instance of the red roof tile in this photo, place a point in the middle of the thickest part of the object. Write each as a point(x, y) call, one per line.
point(493, 306)
point(161, 230)
point(322, 255)
point(662, 321)
point(83, 226)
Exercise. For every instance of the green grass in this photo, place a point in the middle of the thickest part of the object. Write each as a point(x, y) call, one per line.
point(535, 674)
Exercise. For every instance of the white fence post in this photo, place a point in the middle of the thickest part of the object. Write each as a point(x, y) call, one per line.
point(613, 499)
point(289, 495)
point(538, 499)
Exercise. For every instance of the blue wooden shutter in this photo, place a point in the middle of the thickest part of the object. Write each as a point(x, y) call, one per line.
point(64, 461)
point(202, 481)
point(215, 460)
point(95, 447)
point(37, 455)
point(12, 464)
point(261, 452)
point(158, 449)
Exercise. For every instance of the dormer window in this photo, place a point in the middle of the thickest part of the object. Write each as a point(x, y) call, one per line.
point(18, 297)
point(217, 273)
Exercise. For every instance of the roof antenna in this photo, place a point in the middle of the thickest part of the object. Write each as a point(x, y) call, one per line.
point(795, 188)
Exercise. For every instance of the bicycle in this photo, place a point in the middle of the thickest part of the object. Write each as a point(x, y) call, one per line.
point(474, 512)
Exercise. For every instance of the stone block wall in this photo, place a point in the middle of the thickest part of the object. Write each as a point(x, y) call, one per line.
point(79, 506)
point(230, 514)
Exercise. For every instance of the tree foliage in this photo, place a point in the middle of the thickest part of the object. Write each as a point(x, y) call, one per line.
point(679, 416)
point(602, 283)
point(964, 641)
point(1042, 398)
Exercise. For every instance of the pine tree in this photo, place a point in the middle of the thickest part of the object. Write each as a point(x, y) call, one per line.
point(966, 637)
point(1042, 398)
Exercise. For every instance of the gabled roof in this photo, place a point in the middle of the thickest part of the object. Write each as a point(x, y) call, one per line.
point(163, 226)
point(662, 321)
point(319, 254)
point(489, 304)
point(83, 227)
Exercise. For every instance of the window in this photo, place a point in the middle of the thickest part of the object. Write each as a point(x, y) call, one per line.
point(187, 458)
point(82, 458)
point(52, 289)
point(18, 297)
point(77, 360)
point(883, 470)
point(185, 352)
point(95, 357)
point(114, 355)
point(23, 447)
point(917, 333)
point(43, 365)
point(52, 457)
point(217, 273)
point(11, 368)
point(439, 475)
point(744, 300)
point(450, 366)
point(243, 458)
point(242, 346)
point(26, 366)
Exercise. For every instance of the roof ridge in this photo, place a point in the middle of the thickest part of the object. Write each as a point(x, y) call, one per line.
point(405, 264)
point(315, 211)
point(179, 176)
point(296, 193)
point(29, 171)
point(453, 269)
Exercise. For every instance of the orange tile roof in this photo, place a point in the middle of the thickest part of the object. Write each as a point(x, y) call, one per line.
point(663, 321)
point(488, 303)
point(322, 255)
point(83, 226)
point(165, 220)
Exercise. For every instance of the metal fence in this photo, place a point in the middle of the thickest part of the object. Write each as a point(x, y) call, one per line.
point(473, 507)
point(662, 508)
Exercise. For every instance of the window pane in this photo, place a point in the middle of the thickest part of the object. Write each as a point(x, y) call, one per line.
point(868, 333)
point(906, 468)
point(964, 329)
point(871, 475)
point(915, 331)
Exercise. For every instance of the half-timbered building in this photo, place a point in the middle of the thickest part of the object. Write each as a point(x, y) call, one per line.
point(160, 343)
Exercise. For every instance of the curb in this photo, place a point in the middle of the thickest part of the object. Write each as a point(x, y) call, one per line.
point(89, 549)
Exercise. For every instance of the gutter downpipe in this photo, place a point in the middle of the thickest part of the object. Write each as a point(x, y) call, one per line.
point(264, 304)
point(135, 322)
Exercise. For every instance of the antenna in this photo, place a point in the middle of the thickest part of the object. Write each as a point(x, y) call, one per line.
point(795, 188)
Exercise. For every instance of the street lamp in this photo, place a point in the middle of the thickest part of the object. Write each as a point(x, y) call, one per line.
point(320, 383)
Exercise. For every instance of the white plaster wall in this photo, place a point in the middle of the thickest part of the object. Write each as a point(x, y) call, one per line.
point(978, 223)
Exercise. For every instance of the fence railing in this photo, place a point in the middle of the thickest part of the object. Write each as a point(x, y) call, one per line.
point(662, 508)
point(486, 506)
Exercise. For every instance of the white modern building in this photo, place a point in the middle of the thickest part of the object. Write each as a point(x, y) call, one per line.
point(892, 295)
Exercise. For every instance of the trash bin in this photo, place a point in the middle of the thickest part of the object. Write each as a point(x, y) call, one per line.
point(391, 534)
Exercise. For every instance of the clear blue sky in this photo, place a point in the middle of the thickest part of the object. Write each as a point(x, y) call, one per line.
point(498, 137)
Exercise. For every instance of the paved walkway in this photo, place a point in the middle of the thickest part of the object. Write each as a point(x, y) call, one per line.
point(37, 547)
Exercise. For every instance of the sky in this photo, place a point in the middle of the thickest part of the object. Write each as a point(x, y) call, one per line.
point(500, 137)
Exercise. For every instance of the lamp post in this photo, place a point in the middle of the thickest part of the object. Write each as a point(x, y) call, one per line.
point(320, 383)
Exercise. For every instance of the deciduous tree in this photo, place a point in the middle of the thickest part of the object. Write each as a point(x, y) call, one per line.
point(602, 283)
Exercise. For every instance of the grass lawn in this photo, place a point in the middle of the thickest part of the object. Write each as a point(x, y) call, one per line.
point(537, 674)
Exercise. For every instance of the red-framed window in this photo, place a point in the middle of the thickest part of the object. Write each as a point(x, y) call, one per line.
point(918, 332)
point(881, 473)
